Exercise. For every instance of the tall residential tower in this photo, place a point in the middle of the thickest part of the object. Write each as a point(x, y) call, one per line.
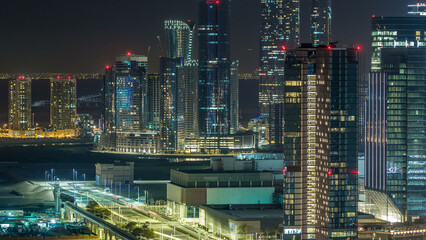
point(63, 102)
point(20, 104)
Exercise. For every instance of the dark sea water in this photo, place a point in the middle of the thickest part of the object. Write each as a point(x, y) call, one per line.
point(31, 163)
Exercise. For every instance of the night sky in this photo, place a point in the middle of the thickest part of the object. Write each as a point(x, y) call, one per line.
point(85, 35)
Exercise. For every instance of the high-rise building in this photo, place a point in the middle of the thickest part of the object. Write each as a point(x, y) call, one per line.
point(20, 115)
point(395, 130)
point(320, 143)
point(395, 143)
point(169, 102)
point(320, 22)
point(235, 104)
point(279, 30)
point(179, 39)
point(124, 97)
point(153, 101)
point(214, 89)
point(189, 74)
point(63, 102)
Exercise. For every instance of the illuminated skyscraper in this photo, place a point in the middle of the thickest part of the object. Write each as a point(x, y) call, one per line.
point(395, 153)
point(279, 30)
point(188, 74)
point(63, 102)
point(124, 97)
point(320, 22)
point(169, 102)
point(153, 101)
point(214, 67)
point(20, 104)
point(320, 144)
point(179, 38)
point(235, 108)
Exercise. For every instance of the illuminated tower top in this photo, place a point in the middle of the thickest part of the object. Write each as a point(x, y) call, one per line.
point(320, 22)
point(418, 9)
point(179, 38)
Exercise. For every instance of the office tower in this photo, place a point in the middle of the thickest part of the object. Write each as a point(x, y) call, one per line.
point(320, 150)
point(320, 22)
point(395, 130)
point(395, 143)
point(189, 74)
point(418, 9)
point(395, 32)
point(153, 101)
point(20, 115)
point(214, 64)
point(279, 30)
point(179, 38)
point(63, 102)
point(235, 109)
point(124, 97)
point(276, 126)
point(169, 102)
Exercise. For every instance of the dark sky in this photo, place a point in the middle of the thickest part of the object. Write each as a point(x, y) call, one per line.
point(85, 35)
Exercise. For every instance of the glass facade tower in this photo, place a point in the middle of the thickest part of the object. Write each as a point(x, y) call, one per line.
point(179, 38)
point(320, 22)
point(125, 96)
point(395, 124)
point(214, 67)
point(280, 28)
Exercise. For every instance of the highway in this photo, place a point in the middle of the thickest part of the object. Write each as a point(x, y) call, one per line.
point(126, 210)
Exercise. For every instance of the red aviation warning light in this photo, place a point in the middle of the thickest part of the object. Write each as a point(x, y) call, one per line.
point(129, 53)
point(358, 48)
point(58, 77)
point(284, 48)
point(329, 47)
point(329, 172)
point(284, 170)
point(217, 2)
point(69, 77)
point(107, 66)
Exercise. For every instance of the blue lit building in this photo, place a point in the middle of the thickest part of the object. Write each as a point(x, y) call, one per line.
point(124, 97)
point(214, 67)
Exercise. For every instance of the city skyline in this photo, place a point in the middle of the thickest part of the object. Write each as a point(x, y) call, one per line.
point(87, 35)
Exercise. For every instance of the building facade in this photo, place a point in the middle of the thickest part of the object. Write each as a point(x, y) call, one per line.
point(395, 145)
point(113, 174)
point(153, 101)
point(169, 114)
point(20, 114)
point(235, 103)
point(279, 30)
point(179, 38)
point(63, 102)
point(320, 22)
point(320, 150)
point(124, 97)
point(214, 88)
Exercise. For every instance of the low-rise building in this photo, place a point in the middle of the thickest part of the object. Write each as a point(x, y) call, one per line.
point(192, 188)
point(115, 173)
point(241, 221)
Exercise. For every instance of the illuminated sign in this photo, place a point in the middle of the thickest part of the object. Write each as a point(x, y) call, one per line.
point(293, 231)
